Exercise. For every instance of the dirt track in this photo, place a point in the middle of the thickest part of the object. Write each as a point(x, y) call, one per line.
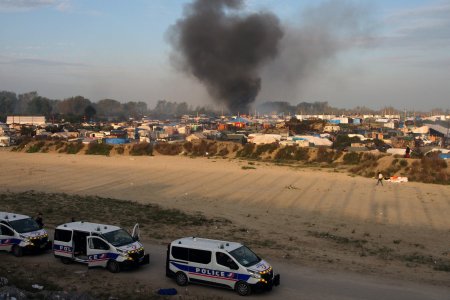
point(281, 201)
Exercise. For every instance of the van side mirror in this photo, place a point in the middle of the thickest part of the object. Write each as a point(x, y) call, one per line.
point(136, 238)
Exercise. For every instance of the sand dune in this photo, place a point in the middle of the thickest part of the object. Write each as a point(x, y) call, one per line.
point(283, 201)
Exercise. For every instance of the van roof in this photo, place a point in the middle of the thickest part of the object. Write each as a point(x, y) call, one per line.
point(88, 227)
point(206, 244)
point(7, 216)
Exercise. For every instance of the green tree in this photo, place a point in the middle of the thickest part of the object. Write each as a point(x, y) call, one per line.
point(39, 106)
point(8, 100)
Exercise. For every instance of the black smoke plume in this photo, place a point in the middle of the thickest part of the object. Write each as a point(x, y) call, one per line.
point(225, 49)
point(313, 42)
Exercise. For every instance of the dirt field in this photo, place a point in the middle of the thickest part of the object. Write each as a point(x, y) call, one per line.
point(318, 218)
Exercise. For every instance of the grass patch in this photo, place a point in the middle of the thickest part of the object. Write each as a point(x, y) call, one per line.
point(35, 147)
point(248, 168)
point(141, 149)
point(99, 149)
point(168, 149)
point(120, 150)
point(336, 238)
point(73, 148)
point(60, 208)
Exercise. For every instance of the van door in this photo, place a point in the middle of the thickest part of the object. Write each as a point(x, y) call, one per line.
point(7, 238)
point(200, 268)
point(62, 243)
point(136, 232)
point(227, 269)
point(98, 252)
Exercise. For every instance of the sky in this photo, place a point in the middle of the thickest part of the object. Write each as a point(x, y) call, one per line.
point(119, 49)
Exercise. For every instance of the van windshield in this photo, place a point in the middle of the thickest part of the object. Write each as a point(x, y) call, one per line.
point(24, 225)
point(118, 238)
point(245, 256)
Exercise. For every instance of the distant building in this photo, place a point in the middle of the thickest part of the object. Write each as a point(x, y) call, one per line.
point(25, 120)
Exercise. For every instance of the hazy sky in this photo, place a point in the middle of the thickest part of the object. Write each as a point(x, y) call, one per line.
point(118, 49)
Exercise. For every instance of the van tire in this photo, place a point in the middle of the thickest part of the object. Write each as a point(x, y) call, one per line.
point(113, 266)
point(181, 279)
point(17, 251)
point(66, 260)
point(243, 288)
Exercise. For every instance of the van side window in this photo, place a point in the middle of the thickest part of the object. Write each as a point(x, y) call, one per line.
point(226, 261)
point(180, 253)
point(6, 231)
point(63, 235)
point(199, 256)
point(98, 244)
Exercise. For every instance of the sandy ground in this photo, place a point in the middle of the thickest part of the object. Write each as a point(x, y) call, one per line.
point(294, 206)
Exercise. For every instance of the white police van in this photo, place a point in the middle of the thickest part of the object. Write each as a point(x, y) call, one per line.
point(219, 263)
point(99, 245)
point(20, 234)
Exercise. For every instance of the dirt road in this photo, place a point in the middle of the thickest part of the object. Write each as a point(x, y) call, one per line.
point(297, 282)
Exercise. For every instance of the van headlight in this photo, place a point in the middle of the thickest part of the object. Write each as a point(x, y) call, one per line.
point(122, 252)
point(26, 239)
point(254, 274)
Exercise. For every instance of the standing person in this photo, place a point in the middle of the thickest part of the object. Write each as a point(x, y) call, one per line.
point(39, 220)
point(380, 178)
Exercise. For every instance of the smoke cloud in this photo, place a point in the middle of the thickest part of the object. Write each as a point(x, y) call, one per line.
point(312, 43)
point(225, 49)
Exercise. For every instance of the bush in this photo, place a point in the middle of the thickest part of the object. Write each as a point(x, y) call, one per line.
point(73, 148)
point(246, 151)
point(168, 149)
point(302, 154)
point(23, 141)
point(223, 152)
point(352, 158)
point(59, 144)
point(187, 146)
point(99, 149)
point(429, 169)
point(120, 150)
point(36, 147)
point(403, 163)
point(323, 155)
point(285, 153)
point(204, 148)
point(260, 149)
point(343, 141)
point(141, 149)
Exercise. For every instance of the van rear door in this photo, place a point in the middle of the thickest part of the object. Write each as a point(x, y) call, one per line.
point(98, 251)
point(62, 243)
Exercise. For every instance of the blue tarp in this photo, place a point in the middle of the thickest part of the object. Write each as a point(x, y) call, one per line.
point(116, 141)
point(444, 155)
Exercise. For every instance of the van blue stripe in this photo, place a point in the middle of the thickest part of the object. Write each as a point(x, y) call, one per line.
point(237, 276)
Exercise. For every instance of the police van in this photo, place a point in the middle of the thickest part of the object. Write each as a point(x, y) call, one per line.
point(20, 234)
point(220, 263)
point(99, 245)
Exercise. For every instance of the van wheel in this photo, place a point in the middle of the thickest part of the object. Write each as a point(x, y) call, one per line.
point(242, 288)
point(17, 251)
point(113, 266)
point(66, 260)
point(181, 279)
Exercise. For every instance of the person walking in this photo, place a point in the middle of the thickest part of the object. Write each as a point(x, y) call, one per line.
point(380, 178)
point(40, 221)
